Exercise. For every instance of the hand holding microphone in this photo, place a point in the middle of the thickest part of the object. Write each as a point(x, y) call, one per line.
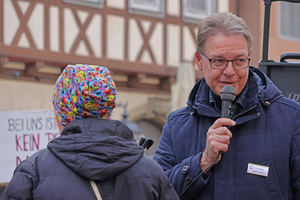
point(218, 135)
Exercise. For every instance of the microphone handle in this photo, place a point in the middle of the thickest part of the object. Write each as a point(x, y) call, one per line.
point(225, 110)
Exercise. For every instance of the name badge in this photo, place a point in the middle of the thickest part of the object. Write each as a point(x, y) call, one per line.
point(259, 170)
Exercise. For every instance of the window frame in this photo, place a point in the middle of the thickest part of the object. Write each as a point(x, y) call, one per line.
point(157, 11)
point(98, 4)
point(192, 17)
point(280, 23)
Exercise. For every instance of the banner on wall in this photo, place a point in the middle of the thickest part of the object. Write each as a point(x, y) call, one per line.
point(22, 133)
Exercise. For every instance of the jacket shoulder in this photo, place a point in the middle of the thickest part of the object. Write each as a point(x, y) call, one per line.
point(184, 111)
point(44, 161)
point(146, 178)
point(288, 102)
point(146, 168)
point(42, 158)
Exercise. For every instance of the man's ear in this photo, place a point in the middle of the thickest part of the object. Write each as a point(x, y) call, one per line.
point(250, 52)
point(198, 61)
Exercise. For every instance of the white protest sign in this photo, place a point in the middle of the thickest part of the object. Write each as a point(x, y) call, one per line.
point(22, 133)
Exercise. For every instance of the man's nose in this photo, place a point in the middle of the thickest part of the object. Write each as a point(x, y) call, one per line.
point(229, 70)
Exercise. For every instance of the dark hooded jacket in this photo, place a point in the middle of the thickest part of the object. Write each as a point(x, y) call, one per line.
point(267, 133)
point(91, 149)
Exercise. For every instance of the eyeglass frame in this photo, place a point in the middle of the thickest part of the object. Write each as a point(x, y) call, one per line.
point(210, 59)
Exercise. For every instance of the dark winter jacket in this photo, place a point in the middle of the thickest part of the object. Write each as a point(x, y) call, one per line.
point(91, 149)
point(267, 133)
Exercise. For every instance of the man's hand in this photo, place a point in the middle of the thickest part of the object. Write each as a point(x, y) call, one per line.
point(218, 139)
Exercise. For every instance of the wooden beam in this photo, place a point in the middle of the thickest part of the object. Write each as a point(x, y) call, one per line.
point(3, 60)
point(165, 83)
point(142, 76)
point(32, 68)
point(133, 81)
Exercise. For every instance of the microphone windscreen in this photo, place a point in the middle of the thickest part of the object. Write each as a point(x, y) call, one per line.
point(228, 93)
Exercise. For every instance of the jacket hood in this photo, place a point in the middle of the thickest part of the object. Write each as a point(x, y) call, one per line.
point(262, 90)
point(96, 149)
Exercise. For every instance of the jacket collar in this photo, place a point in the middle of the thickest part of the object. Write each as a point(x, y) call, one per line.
point(261, 89)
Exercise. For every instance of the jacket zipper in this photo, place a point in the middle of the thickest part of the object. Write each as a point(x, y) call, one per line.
point(243, 112)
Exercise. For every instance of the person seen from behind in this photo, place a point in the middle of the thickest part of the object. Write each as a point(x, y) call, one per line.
point(94, 157)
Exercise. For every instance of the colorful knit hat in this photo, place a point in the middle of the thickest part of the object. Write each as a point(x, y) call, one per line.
point(83, 91)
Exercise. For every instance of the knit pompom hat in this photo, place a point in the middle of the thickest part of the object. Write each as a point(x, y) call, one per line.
point(83, 91)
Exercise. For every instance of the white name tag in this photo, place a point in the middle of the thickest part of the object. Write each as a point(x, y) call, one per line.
point(258, 170)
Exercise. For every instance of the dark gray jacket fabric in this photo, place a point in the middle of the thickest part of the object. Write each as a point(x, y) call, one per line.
point(91, 149)
point(267, 133)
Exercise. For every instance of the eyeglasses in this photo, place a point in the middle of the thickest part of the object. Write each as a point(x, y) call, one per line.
point(240, 63)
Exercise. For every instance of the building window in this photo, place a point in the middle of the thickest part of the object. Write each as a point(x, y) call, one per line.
point(193, 11)
point(289, 16)
point(89, 3)
point(152, 8)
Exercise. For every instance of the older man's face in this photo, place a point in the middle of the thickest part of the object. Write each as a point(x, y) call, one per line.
point(227, 47)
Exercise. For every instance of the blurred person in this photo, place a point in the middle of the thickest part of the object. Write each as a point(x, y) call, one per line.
point(95, 157)
point(254, 154)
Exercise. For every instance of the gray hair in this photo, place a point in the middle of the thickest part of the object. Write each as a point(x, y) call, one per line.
point(222, 23)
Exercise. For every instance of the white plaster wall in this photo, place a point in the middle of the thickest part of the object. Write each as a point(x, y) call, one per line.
point(146, 58)
point(156, 43)
point(23, 5)
point(54, 29)
point(21, 95)
point(119, 4)
point(115, 37)
point(23, 42)
point(135, 40)
point(173, 45)
point(223, 5)
point(173, 7)
point(10, 22)
point(94, 35)
point(81, 49)
point(189, 45)
point(70, 29)
point(146, 25)
point(36, 25)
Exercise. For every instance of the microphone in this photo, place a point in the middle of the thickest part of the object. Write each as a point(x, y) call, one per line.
point(227, 97)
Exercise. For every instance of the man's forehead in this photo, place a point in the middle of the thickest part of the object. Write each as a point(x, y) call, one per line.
point(218, 44)
point(222, 55)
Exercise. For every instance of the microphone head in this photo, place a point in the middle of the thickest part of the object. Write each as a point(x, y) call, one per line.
point(228, 93)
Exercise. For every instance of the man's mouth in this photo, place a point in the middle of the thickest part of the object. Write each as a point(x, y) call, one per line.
point(227, 83)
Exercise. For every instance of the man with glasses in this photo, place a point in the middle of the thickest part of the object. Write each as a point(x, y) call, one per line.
point(259, 142)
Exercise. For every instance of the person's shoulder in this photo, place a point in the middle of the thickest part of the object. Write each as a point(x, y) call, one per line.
point(288, 103)
point(32, 163)
point(146, 168)
point(181, 112)
point(148, 161)
point(41, 159)
point(40, 154)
